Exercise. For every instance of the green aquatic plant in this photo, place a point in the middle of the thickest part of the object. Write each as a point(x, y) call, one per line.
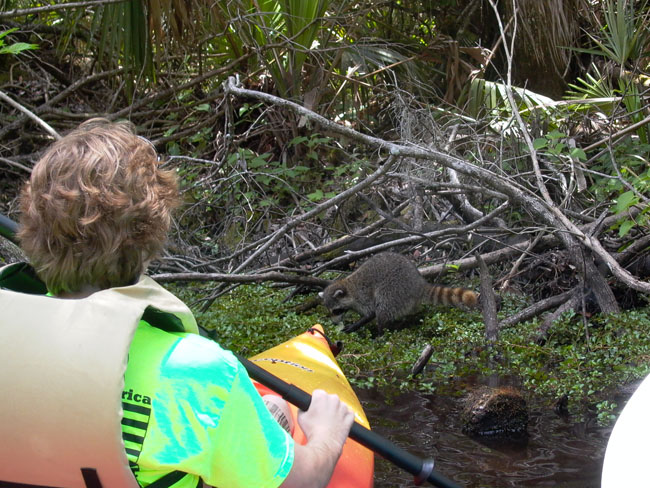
point(586, 365)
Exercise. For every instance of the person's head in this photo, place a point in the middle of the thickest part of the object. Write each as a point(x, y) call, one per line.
point(96, 208)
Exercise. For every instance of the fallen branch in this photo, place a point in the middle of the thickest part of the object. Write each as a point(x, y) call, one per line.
point(536, 309)
point(488, 303)
point(489, 257)
point(239, 278)
point(354, 255)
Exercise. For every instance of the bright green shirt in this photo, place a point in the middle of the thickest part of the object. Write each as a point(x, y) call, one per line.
point(190, 406)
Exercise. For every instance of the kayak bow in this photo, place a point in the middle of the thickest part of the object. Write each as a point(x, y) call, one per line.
point(307, 362)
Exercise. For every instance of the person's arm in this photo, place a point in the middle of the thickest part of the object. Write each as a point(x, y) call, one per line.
point(326, 426)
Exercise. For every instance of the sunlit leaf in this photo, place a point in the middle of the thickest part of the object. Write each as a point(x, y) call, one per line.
point(624, 201)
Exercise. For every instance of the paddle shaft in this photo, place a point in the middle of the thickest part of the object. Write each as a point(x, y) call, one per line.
point(302, 400)
point(359, 433)
point(8, 228)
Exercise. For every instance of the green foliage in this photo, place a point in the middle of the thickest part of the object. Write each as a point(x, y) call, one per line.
point(628, 183)
point(605, 411)
point(250, 319)
point(272, 181)
point(635, 105)
point(123, 28)
point(587, 367)
point(15, 47)
point(595, 87)
point(488, 98)
point(284, 31)
point(624, 36)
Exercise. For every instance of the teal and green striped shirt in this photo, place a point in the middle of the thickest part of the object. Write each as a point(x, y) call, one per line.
point(191, 409)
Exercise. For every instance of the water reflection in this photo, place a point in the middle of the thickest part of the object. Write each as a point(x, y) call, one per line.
point(557, 452)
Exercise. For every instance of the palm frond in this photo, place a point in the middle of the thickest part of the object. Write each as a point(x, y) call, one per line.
point(490, 98)
point(624, 36)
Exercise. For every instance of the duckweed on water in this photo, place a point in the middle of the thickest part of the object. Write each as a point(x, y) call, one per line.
point(586, 363)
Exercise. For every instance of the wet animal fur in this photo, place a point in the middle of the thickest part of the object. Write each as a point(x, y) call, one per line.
point(387, 287)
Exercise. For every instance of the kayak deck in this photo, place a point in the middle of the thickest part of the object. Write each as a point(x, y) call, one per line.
point(307, 362)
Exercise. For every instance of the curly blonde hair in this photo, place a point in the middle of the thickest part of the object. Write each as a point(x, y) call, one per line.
point(97, 208)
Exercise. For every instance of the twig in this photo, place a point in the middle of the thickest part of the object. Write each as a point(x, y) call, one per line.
point(515, 267)
point(15, 164)
point(617, 135)
point(48, 128)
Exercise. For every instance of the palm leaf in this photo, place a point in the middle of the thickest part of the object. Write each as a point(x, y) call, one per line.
point(123, 28)
point(491, 98)
point(624, 35)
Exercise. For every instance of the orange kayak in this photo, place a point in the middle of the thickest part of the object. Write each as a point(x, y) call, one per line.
point(306, 361)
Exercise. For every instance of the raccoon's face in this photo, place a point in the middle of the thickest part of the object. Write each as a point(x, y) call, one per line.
point(337, 299)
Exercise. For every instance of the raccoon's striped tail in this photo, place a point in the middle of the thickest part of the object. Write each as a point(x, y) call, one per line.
point(453, 297)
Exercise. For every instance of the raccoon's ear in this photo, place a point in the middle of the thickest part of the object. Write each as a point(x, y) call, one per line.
point(339, 293)
point(321, 294)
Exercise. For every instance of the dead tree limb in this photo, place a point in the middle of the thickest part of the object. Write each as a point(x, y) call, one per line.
point(239, 278)
point(489, 257)
point(411, 239)
point(536, 309)
point(488, 303)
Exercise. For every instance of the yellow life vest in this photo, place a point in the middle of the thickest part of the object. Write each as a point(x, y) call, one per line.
point(62, 364)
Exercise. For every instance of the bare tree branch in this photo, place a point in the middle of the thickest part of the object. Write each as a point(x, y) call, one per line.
point(48, 128)
point(19, 12)
point(414, 237)
point(238, 278)
point(537, 308)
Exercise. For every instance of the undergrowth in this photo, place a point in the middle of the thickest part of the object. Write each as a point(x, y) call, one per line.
point(587, 362)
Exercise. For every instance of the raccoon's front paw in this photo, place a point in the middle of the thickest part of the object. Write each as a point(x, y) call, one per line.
point(351, 327)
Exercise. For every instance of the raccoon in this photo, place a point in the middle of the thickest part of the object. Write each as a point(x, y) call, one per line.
point(388, 287)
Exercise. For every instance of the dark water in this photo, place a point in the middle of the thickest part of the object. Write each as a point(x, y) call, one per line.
point(558, 451)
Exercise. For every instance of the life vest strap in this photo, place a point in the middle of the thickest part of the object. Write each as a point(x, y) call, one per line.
point(89, 475)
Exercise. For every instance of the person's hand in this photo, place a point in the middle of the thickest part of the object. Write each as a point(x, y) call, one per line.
point(326, 425)
point(327, 422)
